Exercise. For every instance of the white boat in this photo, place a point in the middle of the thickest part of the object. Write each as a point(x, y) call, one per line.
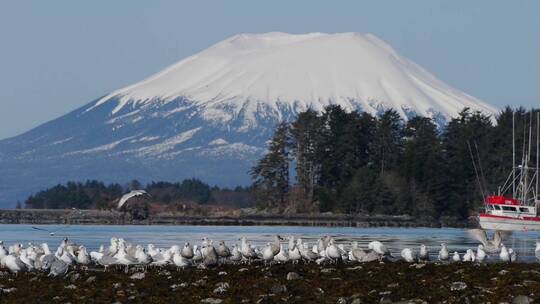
point(515, 207)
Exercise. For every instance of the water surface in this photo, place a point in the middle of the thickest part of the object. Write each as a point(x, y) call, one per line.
point(165, 236)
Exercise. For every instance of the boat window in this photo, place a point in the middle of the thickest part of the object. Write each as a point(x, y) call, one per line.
point(524, 209)
point(508, 208)
point(496, 207)
point(489, 207)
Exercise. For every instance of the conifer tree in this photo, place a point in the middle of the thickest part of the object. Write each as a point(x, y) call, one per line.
point(271, 173)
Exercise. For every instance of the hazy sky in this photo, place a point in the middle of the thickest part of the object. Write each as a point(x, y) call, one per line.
point(56, 56)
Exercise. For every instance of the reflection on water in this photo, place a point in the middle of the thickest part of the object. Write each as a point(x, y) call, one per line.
point(164, 236)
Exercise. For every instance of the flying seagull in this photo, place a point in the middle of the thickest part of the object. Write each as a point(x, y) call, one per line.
point(490, 246)
point(131, 194)
point(51, 232)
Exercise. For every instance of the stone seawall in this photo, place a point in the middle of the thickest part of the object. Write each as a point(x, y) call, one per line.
point(106, 217)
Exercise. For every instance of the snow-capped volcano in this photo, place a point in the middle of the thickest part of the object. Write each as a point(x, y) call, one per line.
point(210, 115)
point(278, 70)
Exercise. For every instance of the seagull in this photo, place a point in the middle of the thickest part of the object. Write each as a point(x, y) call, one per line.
point(513, 255)
point(83, 258)
point(294, 254)
point(3, 255)
point(504, 255)
point(408, 255)
point(292, 243)
point(107, 261)
point(179, 260)
point(379, 248)
point(14, 264)
point(129, 195)
point(51, 232)
point(187, 251)
point(223, 251)
point(247, 251)
point(332, 251)
point(125, 259)
point(443, 253)
point(236, 256)
point(282, 256)
point(480, 253)
point(58, 268)
point(456, 257)
point(28, 263)
point(537, 251)
point(142, 257)
point(210, 257)
point(490, 246)
point(307, 254)
point(469, 256)
point(424, 254)
point(197, 255)
point(268, 253)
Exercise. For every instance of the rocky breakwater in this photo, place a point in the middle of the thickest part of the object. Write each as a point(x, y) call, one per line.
point(241, 218)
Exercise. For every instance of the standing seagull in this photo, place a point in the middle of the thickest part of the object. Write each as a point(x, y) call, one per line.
point(379, 248)
point(443, 253)
point(504, 255)
point(537, 251)
point(14, 264)
point(424, 254)
point(408, 255)
point(456, 257)
point(480, 253)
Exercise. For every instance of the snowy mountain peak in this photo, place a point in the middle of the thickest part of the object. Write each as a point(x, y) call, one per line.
point(250, 73)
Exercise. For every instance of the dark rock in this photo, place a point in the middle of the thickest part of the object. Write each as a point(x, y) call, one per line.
point(277, 289)
point(327, 270)
point(137, 276)
point(521, 299)
point(456, 286)
point(90, 279)
point(211, 301)
point(341, 301)
point(221, 288)
point(292, 276)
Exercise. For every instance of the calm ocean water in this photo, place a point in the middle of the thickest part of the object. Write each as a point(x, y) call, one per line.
point(164, 236)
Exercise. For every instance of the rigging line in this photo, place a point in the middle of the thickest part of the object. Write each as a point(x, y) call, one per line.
point(480, 166)
point(476, 171)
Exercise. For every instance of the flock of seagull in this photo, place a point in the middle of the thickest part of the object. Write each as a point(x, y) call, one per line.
point(18, 258)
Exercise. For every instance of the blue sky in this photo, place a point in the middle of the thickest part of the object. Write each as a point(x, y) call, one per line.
point(56, 56)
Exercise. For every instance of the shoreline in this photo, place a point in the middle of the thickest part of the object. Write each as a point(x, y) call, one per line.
point(111, 217)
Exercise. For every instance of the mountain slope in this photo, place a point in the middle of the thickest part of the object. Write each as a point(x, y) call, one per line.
point(209, 115)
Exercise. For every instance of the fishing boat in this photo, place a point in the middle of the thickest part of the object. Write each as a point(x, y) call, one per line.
point(515, 207)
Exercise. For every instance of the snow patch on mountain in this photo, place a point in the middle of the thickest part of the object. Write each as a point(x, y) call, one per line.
point(218, 142)
point(168, 144)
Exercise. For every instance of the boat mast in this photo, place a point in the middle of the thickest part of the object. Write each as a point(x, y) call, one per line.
point(513, 154)
point(537, 153)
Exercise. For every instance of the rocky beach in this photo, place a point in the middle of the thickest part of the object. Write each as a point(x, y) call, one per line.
point(388, 282)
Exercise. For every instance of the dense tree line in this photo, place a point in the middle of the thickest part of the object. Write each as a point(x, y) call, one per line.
point(351, 162)
point(97, 195)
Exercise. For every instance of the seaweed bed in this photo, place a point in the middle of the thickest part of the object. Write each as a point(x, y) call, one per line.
point(304, 283)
